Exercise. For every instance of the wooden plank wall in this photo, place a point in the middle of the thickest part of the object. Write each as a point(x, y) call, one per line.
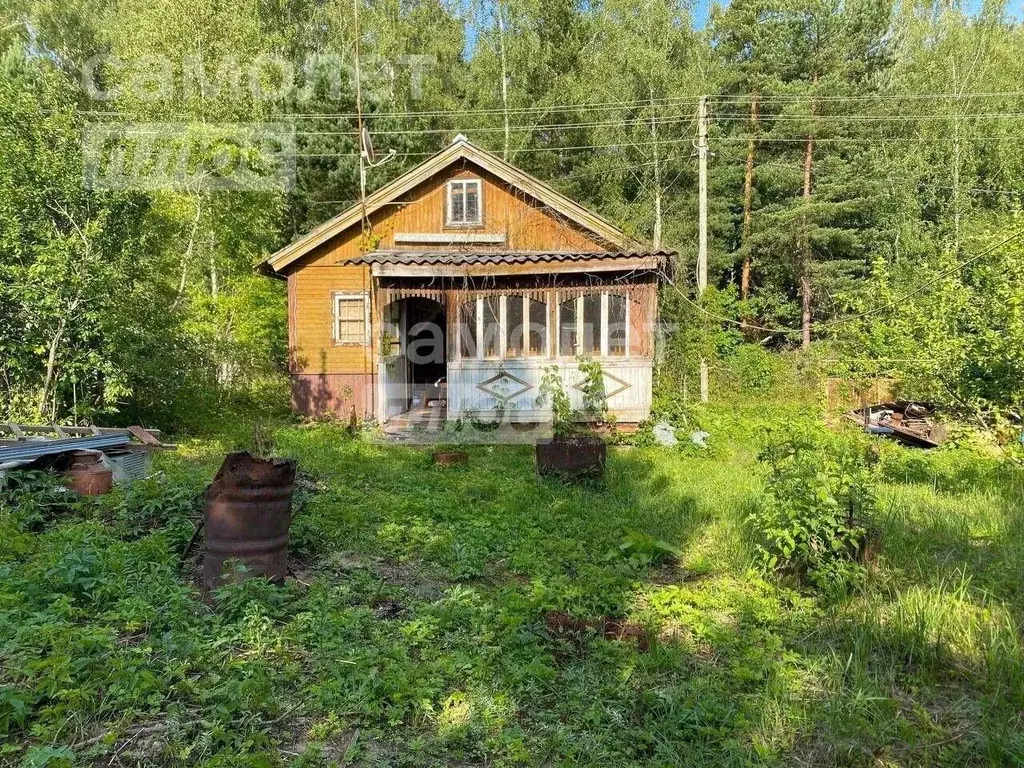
point(526, 225)
point(333, 395)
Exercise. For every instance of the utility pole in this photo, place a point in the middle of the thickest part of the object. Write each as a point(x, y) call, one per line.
point(702, 224)
point(359, 121)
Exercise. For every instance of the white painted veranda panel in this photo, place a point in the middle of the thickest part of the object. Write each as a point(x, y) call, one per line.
point(483, 387)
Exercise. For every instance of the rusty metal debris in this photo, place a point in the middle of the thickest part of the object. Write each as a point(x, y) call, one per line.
point(88, 475)
point(450, 458)
point(248, 513)
point(127, 452)
point(909, 422)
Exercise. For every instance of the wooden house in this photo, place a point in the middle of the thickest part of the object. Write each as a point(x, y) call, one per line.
point(455, 286)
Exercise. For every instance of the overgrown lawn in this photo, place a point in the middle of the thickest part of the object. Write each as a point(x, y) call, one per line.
point(472, 616)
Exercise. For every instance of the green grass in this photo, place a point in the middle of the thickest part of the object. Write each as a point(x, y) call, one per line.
point(416, 632)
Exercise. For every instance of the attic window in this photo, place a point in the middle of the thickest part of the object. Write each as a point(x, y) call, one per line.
point(464, 203)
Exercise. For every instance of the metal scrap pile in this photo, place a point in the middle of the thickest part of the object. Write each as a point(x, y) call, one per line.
point(910, 423)
point(125, 453)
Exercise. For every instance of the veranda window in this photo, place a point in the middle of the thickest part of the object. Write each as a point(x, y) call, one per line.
point(492, 326)
point(503, 326)
point(468, 332)
point(526, 327)
point(594, 324)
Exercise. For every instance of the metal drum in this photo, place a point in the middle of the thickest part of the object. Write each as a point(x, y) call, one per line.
point(87, 474)
point(248, 511)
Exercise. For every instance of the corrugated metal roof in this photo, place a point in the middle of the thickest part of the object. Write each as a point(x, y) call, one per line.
point(469, 258)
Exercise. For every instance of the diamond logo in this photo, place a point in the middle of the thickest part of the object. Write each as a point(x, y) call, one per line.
point(504, 386)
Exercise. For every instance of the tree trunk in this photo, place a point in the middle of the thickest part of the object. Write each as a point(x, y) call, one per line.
point(805, 258)
point(188, 252)
point(504, 81)
point(956, 155)
point(51, 367)
point(748, 194)
point(657, 181)
point(214, 277)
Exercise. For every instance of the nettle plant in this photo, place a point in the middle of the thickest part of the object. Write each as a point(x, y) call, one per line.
point(814, 521)
point(565, 420)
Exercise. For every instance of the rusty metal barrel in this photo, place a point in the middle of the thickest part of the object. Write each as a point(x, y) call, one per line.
point(87, 474)
point(248, 512)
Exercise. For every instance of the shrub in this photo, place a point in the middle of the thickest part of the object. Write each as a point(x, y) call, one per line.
point(756, 369)
point(564, 419)
point(642, 549)
point(812, 522)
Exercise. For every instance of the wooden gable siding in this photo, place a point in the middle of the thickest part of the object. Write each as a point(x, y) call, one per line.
point(527, 225)
point(315, 278)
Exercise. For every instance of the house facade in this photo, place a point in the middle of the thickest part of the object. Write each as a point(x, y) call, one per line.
point(454, 287)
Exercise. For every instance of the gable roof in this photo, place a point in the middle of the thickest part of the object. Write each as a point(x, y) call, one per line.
point(460, 149)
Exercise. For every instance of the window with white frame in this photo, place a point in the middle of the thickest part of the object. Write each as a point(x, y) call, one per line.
point(351, 318)
point(594, 324)
point(465, 203)
point(503, 326)
point(525, 326)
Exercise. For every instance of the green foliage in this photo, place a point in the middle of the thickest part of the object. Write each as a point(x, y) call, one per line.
point(644, 549)
point(563, 417)
point(820, 501)
point(595, 401)
point(421, 629)
point(566, 420)
point(31, 499)
point(757, 371)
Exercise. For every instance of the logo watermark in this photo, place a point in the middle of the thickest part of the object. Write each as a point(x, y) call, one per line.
point(266, 77)
point(495, 384)
point(189, 157)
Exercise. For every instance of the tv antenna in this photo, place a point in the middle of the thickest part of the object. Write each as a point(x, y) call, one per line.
point(368, 153)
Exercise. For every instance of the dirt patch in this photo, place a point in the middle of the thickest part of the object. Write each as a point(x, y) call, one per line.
point(411, 578)
point(560, 626)
point(387, 608)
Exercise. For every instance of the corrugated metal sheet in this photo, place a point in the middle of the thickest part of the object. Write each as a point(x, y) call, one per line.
point(466, 258)
point(23, 450)
point(130, 465)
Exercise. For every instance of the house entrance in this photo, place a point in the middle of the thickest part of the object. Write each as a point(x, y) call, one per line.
point(414, 376)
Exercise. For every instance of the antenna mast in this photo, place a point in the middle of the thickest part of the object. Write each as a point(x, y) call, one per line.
point(359, 120)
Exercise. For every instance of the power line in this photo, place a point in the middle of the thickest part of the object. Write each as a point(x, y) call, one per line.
point(579, 147)
point(626, 122)
point(853, 117)
point(622, 145)
point(678, 101)
point(797, 98)
point(536, 109)
point(767, 139)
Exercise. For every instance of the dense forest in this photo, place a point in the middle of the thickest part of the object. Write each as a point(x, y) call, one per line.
point(866, 178)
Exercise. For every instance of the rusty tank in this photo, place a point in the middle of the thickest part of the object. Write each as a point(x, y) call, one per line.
point(87, 474)
point(247, 515)
point(577, 456)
